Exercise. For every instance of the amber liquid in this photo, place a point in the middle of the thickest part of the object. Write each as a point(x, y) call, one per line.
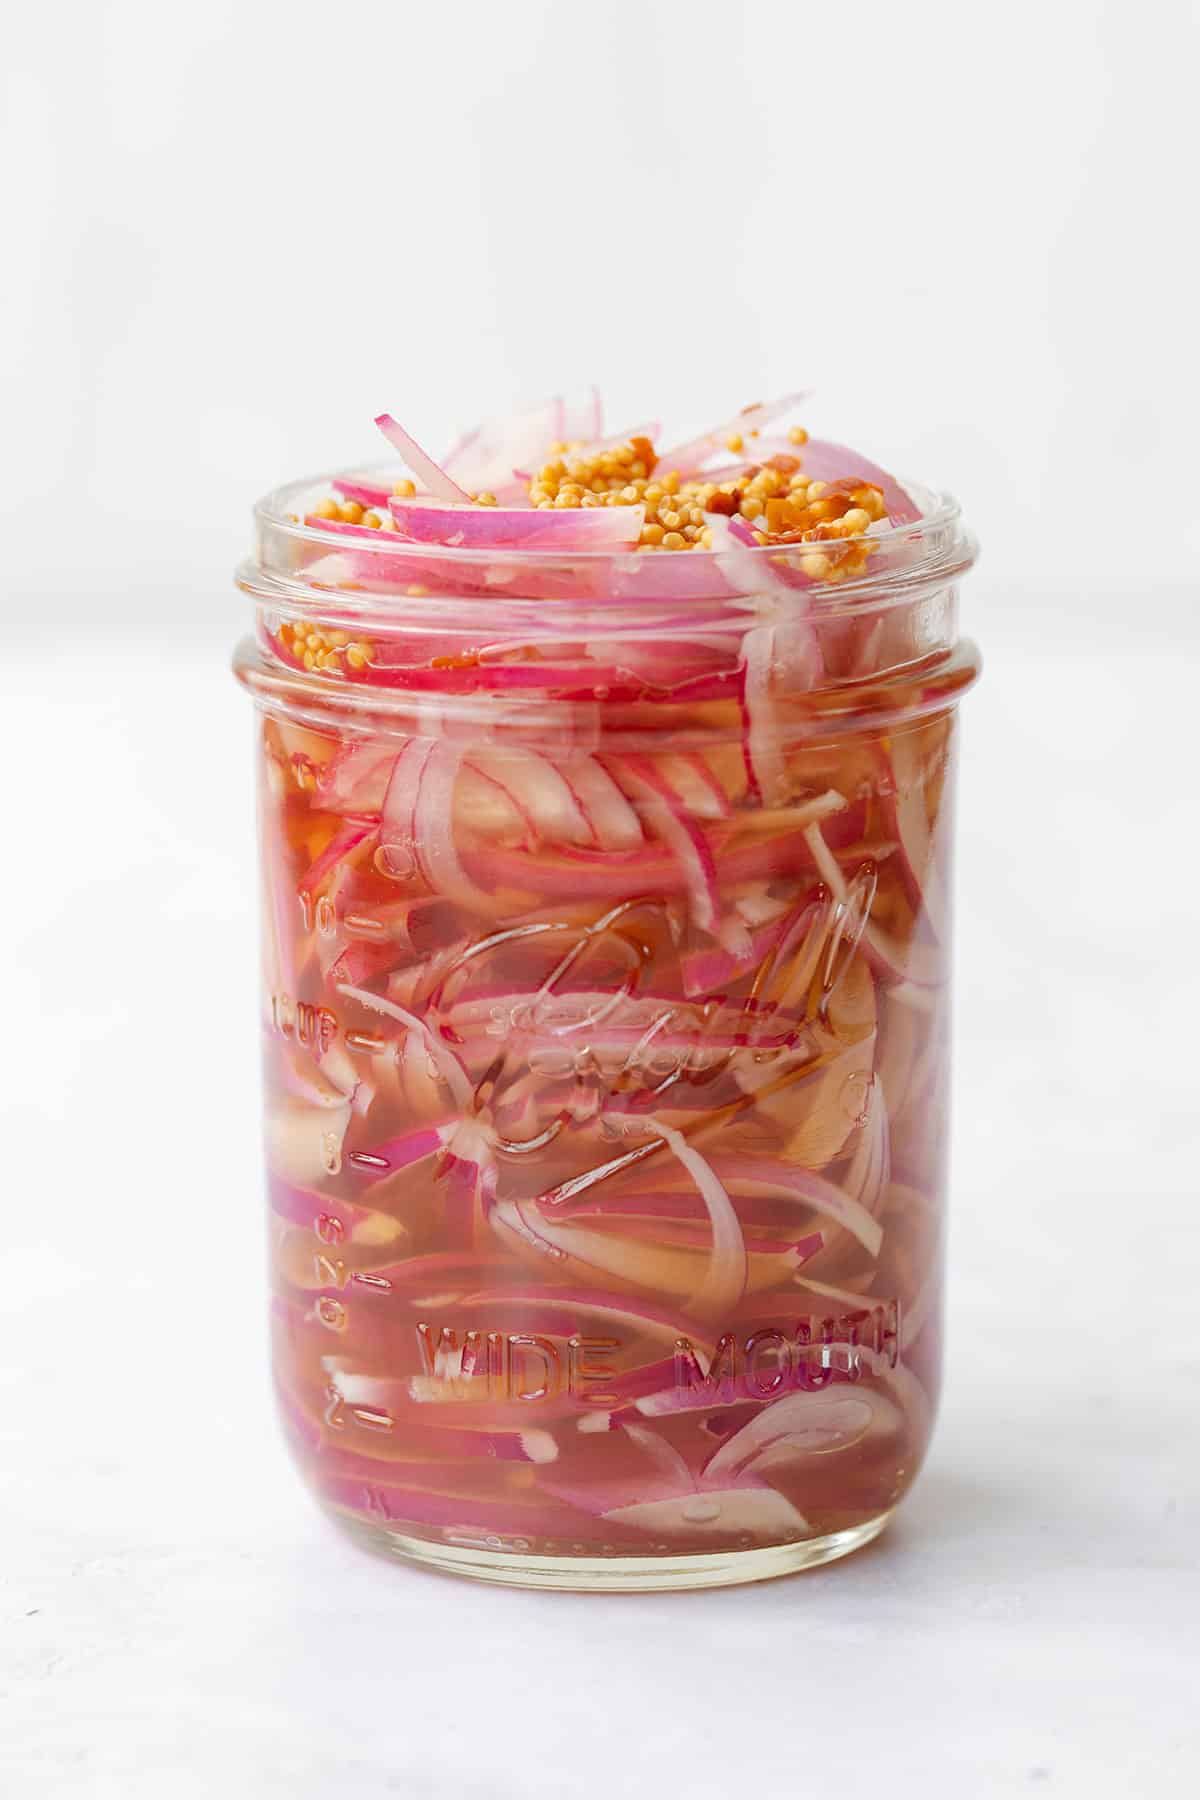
point(500, 1316)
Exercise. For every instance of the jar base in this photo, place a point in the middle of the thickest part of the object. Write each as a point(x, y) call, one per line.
point(610, 1574)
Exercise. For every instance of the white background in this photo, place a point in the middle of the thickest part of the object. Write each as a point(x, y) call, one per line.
point(231, 234)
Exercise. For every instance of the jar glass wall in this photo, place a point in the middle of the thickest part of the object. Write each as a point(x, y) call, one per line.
point(606, 923)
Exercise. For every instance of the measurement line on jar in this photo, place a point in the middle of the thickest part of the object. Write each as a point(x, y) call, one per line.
point(308, 1024)
point(364, 926)
point(331, 1271)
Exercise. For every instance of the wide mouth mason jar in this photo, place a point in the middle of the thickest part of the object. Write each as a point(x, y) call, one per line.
point(606, 933)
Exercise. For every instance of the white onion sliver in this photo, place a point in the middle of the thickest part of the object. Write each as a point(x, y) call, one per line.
point(613, 821)
point(451, 1070)
point(809, 1424)
point(759, 1511)
point(725, 1281)
point(810, 1189)
point(433, 822)
point(540, 792)
point(664, 1454)
point(423, 466)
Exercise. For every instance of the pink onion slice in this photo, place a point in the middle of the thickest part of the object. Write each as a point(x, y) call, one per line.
point(596, 446)
point(394, 1154)
point(725, 1280)
point(807, 1188)
point(589, 1255)
point(355, 778)
point(539, 791)
point(484, 460)
point(871, 1166)
point(448, 1065)
point(529, 527)
point(341, 847)
point(457, 1518)
point(367, 493)
point(690, 456)
point(580, 416)
point(664, 1455)
point(905, 805)
point(433, 830)
point(397, 828)
point(661, 806)
point(823, 461)
point(614, 823)
point(805, 1424)
point(431, 477)
point(755, 1511)
point(763, 745)
point(892, 961)
point(388, 1402)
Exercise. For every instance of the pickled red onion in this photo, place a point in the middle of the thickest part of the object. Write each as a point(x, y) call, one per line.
point(470, 527)
point(433, 478)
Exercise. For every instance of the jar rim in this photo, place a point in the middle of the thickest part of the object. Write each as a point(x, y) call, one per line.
point(294, 556)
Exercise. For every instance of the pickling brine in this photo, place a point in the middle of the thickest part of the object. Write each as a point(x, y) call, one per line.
point(606, 804)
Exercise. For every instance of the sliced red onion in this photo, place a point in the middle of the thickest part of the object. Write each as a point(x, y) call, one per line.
point(341, 846)
point(822, 461)
point(580, 416)
point(367, 493)
point(762, 736)
point(904, 801)
point(539, 791)
point(388, 1399)
point(914, 962)
point(565, 1303)
point(433, 830)
point(485, 459)
point(806, 1187)
point(805, 1424)
point(448, 1065)
point(690, 456)
point(596, 446)
point(614, 823)
point(710, 970)
point(870, 1168)
point(303, 1206)
point(355, 778)
point(528, 528)
point(432, 478)
point(459, 1519)
point(696, 785)
point(725, 1280)
point(664, 1455)
point(593, 1256)
point(586, 875)
point(661, 805)
point(400, 1152)
point(397, 830)
point(728, 1512)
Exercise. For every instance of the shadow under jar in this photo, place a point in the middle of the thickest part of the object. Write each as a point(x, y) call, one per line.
point(606, 923)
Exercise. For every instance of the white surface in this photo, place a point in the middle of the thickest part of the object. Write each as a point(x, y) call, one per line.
point(177, 1619)
point(232, 234)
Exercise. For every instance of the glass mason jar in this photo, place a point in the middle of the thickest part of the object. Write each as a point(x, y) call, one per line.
point(606, 914)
